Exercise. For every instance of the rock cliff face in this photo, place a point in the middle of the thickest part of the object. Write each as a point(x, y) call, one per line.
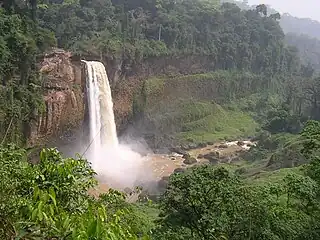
point(64, 99)
point(64, 90)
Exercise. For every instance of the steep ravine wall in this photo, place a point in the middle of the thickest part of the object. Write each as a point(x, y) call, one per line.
point(63, 96)
point(64, 91)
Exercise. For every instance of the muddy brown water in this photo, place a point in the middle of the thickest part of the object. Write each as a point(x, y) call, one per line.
point(163, 165)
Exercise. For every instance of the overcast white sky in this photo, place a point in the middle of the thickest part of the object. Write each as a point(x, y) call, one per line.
point(299, 8)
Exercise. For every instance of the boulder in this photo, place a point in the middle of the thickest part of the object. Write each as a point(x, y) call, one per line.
point(210, 143)
point(192, 146)
point(185, 147)
point(212, 154)
point(240, 143)
point(202, 145)
point(190, 161)
point(186, 156)
point(213, 157)
point(223, 146)
point(214, 160)
point(200, 156)
point(178, 150)
point(179, 170)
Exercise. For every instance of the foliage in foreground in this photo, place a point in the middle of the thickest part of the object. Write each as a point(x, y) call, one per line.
point(50, 200)
point(213, 203)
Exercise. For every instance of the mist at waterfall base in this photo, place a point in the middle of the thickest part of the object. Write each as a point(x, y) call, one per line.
point(117, 165)
point(120, 167)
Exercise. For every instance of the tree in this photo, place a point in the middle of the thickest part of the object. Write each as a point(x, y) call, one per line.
point(208, 203)
point(262, 8)
point(275, 16)
point(51, 200)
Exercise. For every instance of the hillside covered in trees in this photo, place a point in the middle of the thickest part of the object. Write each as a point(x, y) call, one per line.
point(257, 86)
point(233, 39)
point(303, 33)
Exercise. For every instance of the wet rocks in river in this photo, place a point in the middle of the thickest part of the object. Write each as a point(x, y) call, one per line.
point(202, 145)
point(213, 157)
point(223, 146)
point(190, 161)
point(200, 156)
point(178, 150)
point(186, 156)
point(185, 147)
point(192, 146)
point(212, 154)
point(179, 170)
point(240, 143)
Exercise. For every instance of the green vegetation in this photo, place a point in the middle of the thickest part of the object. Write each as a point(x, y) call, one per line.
point(225, 104)
point(257, 86)
point(249, 44)
point(197, 108)
point(50, 200)
point(290, 24)
point(218, 125)
point(134, 30)
point(21, 40)
point(213, 203)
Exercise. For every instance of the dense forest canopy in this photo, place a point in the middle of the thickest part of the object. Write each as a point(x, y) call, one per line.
point(245, 40)
point(234, 38)
point(289, 23)
point(303, 33)
point(248, 40)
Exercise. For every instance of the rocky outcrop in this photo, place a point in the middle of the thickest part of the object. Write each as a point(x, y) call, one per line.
point(64, 99)
point(63, 83)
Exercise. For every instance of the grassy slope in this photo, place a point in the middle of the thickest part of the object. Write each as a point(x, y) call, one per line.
point(222, 124)
point(206, 107)
point(192, 108)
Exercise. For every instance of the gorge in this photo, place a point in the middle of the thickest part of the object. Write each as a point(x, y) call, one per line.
point(156, 120)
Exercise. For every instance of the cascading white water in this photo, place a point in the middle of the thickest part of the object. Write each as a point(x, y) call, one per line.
point(102, 125)
point(117, 165)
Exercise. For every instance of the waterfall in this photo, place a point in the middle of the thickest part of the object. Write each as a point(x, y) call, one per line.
point(103, 132)
point(116, 164)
